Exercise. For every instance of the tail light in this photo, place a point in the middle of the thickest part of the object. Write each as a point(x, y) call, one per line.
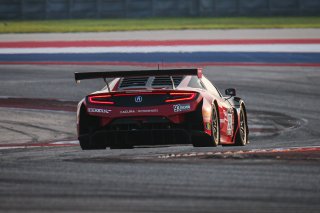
point(100, 99)
point(171, 97)
point(181, 96)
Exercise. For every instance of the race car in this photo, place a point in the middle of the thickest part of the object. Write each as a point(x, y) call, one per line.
point(159, 107)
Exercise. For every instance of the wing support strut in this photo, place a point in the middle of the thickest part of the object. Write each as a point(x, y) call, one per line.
point(107, 83)
point(172, 82)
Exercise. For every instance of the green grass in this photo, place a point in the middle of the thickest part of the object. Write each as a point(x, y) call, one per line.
point(107, 25)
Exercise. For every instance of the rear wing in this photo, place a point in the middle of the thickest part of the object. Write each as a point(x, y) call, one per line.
point(137, 73)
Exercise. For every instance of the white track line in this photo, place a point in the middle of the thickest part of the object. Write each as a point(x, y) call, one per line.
point(288, 48)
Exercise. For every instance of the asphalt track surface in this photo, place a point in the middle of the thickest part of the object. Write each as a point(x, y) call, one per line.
point(149, 179)
point(42, 169)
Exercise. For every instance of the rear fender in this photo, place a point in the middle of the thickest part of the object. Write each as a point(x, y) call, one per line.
point(86, 123)
point(80, 108)
point(207, 116)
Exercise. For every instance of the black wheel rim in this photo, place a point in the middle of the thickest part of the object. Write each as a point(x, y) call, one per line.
point(243, 127)
point(215, 127)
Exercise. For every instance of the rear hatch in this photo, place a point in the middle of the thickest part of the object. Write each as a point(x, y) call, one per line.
point(165, 103)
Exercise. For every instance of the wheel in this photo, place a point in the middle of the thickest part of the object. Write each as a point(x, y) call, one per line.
point(214, 139)
point(87, 127)
point(215, 126)
point(242, 135)
point(86, 143)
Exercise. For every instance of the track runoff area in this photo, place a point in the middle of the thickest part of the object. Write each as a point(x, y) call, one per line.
point(166, 53)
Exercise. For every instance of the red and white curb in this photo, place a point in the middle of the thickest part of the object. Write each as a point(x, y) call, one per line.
point(39, 145)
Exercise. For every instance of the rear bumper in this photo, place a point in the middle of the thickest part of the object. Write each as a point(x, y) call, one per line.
point(111, 138)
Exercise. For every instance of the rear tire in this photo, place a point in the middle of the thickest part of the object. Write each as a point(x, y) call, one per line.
point(86, 142)
point(85, 145)
point(242, 134)
point(87, 126)
point(215, 126)
point(214, 139)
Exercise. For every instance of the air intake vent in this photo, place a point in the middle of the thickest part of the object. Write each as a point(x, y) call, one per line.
point(134, 82)
point(166, 81)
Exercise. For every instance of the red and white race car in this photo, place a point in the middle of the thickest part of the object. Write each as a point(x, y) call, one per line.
point(156, 107)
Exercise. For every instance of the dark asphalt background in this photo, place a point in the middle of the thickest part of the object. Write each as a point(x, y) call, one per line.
point(66, 179)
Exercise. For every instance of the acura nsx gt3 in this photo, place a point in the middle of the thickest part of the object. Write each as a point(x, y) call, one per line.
point(156, 107)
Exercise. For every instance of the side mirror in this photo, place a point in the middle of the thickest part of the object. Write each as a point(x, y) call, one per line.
point(231, 92)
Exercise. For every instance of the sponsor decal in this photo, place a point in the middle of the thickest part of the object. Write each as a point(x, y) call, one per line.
point(229, 127)
point(147, 110)
point(181, 107)
point(138, 99)
point(208, 126)
point(128, 111)
point(96, 110)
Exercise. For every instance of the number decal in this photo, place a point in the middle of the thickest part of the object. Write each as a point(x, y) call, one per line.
point(230, 122)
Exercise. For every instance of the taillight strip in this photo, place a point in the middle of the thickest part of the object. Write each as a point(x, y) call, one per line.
point(91, 99)
point(189, 97)
point(174, 97)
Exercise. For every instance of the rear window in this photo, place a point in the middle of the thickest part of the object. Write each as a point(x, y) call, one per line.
point(159, 81)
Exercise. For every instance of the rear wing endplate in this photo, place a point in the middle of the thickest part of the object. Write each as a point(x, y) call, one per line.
point(137, 73)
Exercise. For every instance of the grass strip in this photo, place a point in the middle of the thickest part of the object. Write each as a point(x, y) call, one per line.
point(108, 25)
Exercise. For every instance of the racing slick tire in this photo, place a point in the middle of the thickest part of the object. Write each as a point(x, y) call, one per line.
point(242, 134)
point(215, 126)
point(214, 139)
point(86, 143)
